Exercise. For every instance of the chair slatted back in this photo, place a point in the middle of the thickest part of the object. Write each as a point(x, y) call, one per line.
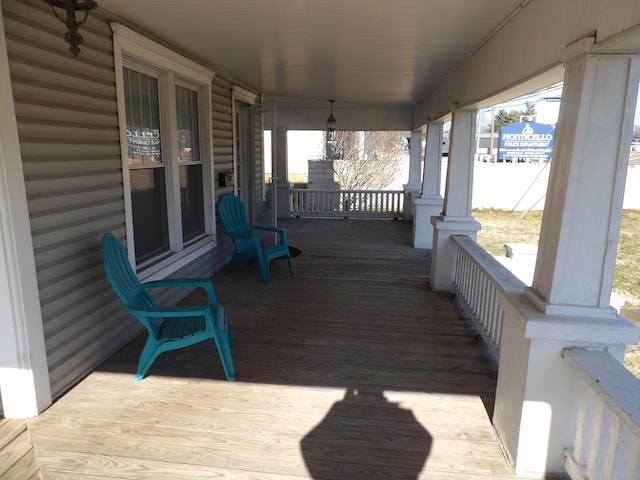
point(234, 219)
point(124, 280)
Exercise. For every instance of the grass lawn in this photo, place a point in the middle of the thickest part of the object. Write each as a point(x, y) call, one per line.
point(499, 227)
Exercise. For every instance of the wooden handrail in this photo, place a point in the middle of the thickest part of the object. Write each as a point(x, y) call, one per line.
point(607, 437)
point(347, 203)
point(479, 278)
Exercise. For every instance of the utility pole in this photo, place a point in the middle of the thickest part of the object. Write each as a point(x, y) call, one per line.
point(490, 150)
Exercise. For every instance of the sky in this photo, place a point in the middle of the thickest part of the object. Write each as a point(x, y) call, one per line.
point(547, 108)
point(547, 104)
point(548, 112)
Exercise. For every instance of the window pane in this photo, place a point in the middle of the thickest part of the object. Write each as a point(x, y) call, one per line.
point(143, 118)
point(188, 133)
point(148, 198)
point(192, 201)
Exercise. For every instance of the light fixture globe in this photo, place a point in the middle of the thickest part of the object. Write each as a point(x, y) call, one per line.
point(70, 7)
point(331, 125)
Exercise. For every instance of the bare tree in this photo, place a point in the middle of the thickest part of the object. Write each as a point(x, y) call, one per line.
point(366, 160)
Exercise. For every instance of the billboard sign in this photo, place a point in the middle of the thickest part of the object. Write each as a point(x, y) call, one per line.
point(526, 140)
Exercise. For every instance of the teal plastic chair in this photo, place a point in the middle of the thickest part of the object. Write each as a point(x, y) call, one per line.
point(169, 328)
point(247, 245)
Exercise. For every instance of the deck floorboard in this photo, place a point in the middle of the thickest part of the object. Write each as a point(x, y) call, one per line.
point(351, 368)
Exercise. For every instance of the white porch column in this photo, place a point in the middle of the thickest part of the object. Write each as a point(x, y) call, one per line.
point(568, 303)
point(429, 203)
point(282, 174)
point(412, 189)
point(456, 217)
point(24, 374)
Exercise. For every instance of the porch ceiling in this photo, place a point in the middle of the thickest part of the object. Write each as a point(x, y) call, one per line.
point(360, 52)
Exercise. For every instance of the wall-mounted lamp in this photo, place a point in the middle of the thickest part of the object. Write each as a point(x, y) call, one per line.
point(331, 125)
point(70, 7)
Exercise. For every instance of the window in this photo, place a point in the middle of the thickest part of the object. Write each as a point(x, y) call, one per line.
point(188, 138)
point(164, 107)
point(147, 171)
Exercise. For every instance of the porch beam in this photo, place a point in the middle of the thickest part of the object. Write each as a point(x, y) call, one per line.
point(568, 304)
point(586, 187)
point(281, 174)
point(456, 217)
point(414, 186)
point(429, 203)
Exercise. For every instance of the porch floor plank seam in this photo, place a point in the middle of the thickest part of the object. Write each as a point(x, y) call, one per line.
point(350, 368)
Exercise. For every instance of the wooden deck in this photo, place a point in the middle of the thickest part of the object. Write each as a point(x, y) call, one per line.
point(17, 458)
point(352, 368)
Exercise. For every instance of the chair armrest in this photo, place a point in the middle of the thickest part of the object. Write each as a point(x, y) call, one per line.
point(204, 283)
point(268, 229)
point(280, 231)
point(239, 235)
point(176, 311)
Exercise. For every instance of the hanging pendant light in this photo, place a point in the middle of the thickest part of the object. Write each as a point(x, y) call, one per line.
point(331, 125)
point(70, 7)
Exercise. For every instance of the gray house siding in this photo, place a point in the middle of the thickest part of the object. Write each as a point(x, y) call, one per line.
point(222, 129)
point(68, 128)
point(223, 145)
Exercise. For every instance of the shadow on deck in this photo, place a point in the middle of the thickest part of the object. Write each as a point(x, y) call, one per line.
point(351, 368)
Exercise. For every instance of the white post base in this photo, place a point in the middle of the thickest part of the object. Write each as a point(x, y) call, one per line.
point(284, 199)
point(424, 208)
point(443, 260)
point(20, 397)
point(535, 415)
point(411, 191)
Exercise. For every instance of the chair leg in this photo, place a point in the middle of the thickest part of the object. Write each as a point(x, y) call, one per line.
point(232, 263)
point(290, 264)
point(264, 268)
point(224, 351)
point(149, 353)
point(229, 337)
point(223, 344)
point(223, 339)
point(221, 323)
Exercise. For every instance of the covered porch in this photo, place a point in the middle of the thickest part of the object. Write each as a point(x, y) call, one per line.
point(353, 318)
point(350, 368)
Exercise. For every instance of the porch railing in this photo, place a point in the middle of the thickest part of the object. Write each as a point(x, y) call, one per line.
point(347, 203)
point(607, 437)
point(607, 440)
point(478, 280)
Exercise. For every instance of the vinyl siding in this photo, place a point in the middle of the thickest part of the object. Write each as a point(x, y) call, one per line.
point(67, 122)
point(66, 110)
point(222, 116)
point(223, 145)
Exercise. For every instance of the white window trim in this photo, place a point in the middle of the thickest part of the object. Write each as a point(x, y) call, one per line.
point(131, 46)
point(24, 371)
point(244, 95)
point(248, 97)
